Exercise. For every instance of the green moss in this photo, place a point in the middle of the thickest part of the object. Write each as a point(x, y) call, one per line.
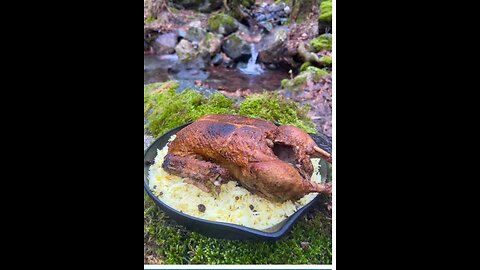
point(235, 39)
point(322, 42)
point(247, 3)
point(300, 79)
point(217, 20)
point(150, 19)
point(325, 11)
point(284, 83)
point(317, 73)
point(274, 107)
point(305, 65)
point(326, 60)
point(166, 109)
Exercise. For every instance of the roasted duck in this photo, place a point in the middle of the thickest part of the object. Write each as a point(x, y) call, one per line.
point(273, 162)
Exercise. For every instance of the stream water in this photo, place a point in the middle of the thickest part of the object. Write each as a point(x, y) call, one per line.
point(251, 76)
point(252, 67)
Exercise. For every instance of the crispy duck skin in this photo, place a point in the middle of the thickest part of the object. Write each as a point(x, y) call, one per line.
point(273, 162)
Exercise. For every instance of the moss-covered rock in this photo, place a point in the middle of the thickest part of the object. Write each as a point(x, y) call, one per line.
point(222, 24)
point(326, 11)
point(185, 51)
point(326, 60)
point(317, 72)
point(211, 43)
point(195, 34)
point(322, 42)
point(304, 66)
point(309, 74)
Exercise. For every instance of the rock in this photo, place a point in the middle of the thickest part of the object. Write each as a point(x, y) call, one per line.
point(275, 8)
point(324, 27)
point(217, 59)
point(195, 34)
point(261, 17)
point(191, 58)
point(165, 44)
point(211, 43)
point(325, 18)
point(196, 24)
point(236, 48)
point(222, 24)
point(181, 33)
point(273, 46)
point(227, 61)
point(268, 26)
point(185, 50)
point(271, 15)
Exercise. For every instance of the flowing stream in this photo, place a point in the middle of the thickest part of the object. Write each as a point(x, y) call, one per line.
point(252, 67)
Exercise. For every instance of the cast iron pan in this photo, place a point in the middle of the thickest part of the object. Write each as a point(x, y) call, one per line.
point(227, 230)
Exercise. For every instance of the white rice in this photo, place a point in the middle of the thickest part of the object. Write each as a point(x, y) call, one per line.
point(185, 198)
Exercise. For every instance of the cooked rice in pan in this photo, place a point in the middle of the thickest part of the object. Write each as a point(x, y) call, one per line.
point(234, 204)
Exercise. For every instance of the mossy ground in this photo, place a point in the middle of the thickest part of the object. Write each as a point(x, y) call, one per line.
point(166, 242)
point(326, 11)
point(322, 42)
point(165, 109)
point(170, 243)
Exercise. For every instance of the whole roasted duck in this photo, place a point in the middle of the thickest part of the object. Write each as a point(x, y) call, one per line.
point(273, 162)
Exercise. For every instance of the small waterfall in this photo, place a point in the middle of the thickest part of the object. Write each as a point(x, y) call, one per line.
point(252, 67)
